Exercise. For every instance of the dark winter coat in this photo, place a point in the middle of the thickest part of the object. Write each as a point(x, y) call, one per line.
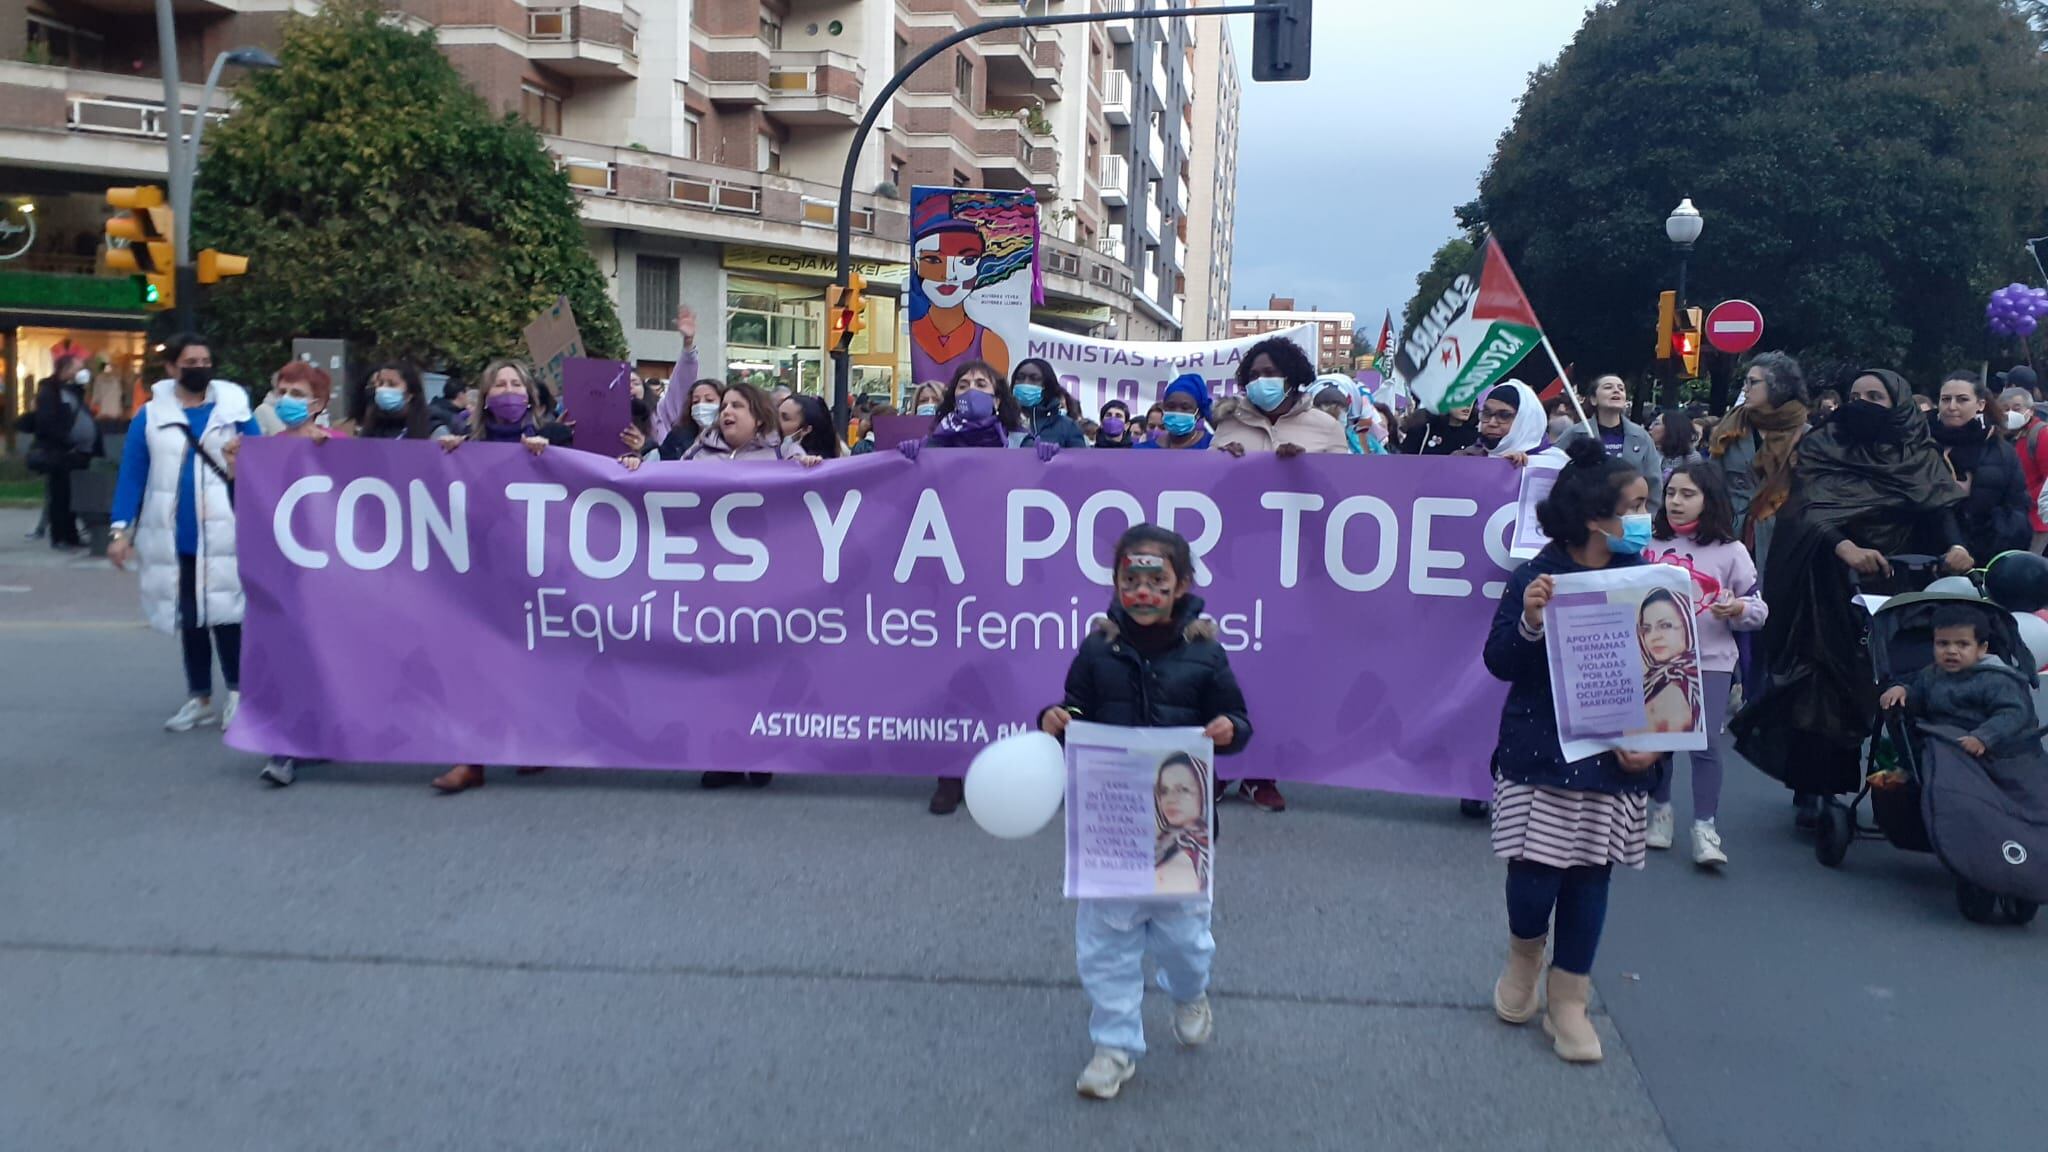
point(1186, 686)
point(1987, 700)
point(1049, 426)
point(1528, 751)
point(1993, 517)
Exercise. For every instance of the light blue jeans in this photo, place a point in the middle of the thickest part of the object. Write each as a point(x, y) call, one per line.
point(1111, 938)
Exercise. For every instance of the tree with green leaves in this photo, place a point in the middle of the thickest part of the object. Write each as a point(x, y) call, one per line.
point(382, 202)
point(1867, 169)
point(1452, 258)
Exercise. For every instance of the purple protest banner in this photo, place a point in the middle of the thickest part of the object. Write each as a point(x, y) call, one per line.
point(874, 615)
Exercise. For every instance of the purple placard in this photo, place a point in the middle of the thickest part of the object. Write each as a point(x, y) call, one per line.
point(891, 431)
point(872, 615)
point(597, 402)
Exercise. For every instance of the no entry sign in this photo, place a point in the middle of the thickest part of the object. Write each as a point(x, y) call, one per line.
point(1735, 326)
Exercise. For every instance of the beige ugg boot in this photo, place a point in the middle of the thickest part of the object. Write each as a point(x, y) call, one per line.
point(1515, 998)
point(1565, 1021)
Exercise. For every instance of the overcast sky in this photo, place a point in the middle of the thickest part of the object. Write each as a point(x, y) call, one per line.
point(1346, 181)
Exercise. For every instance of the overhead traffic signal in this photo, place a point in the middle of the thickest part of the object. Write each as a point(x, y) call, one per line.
point(1667, 311)
point(1280, 42)
point(141, 242)
point(215, 267)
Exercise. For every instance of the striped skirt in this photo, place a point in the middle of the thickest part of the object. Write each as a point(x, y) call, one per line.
point(1567, 829)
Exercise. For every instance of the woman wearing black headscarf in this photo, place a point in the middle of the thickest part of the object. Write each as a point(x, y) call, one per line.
point(1869, 482)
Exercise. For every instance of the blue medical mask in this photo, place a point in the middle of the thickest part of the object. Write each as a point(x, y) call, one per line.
point(1635, 535)
point(1267, 392)
point(391, 399)
point(927, 409)
point(1181, 423)
point(1029, 395)
point(292, 410)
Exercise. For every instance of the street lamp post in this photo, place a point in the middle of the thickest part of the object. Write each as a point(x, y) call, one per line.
point(1683, 229)
point(181, 144)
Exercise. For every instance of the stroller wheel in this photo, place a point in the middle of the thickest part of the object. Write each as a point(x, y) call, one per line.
point(1978, 905)
point(1835, 829)
point(2016, 911)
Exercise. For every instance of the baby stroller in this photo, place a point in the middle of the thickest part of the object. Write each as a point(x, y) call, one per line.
point(1986, 820)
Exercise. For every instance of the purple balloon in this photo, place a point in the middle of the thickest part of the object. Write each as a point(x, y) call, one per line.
point(2002, 326)
point(2026, 325)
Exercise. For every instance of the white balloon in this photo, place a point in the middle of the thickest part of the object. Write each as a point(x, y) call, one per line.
point(1954, 585)
point(2034, 634)
point(1015, 785)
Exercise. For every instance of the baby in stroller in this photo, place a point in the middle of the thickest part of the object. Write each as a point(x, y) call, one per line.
point(1986, 699)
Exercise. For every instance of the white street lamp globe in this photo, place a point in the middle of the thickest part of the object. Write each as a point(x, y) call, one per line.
point(1684, 224)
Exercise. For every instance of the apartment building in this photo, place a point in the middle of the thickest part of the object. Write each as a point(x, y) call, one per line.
point(1333, 329)
point(1216, 91)
point(707, 139)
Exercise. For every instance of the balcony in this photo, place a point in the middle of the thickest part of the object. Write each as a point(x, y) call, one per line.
point(1157, 151)
point(1116, 96)
point(1183, 202)
point(584, 41)
point(1120, 31)
point(1152, 218)
point(1113, 177)
point(139, 118)
point(815, 88)
point(1112, 246)
point(1011, 154)
point(1023, 60)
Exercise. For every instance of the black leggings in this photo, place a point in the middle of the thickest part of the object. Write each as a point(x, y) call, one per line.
point(226, 639)
point(57, 507)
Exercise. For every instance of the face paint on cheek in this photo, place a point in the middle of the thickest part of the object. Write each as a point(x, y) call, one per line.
point(1145, 589)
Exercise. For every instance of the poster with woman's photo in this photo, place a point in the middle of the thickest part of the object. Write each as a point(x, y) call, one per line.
point(1625, 661)
point(1140, 824)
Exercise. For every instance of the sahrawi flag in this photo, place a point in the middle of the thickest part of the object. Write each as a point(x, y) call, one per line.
point(1472, 338)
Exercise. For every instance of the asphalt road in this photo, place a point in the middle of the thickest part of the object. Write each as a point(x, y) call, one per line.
point(190, 959)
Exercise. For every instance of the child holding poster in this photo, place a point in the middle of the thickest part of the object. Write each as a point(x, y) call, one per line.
point(1562, 824)
point(1694, 529)
point(1154, 663)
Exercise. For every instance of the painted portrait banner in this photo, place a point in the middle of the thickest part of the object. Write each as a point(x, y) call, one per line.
point(1625, 657)
point(973, 257)
point(870, 615)
point(1137, 372)
point(1140, 813)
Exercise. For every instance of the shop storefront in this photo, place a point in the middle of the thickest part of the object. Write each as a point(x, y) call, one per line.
point(775, 324)
point(56, 300)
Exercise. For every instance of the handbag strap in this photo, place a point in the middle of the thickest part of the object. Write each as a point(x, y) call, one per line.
point(211, 464)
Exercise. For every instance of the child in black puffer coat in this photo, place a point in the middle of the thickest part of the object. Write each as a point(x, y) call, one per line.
point(1154, 663)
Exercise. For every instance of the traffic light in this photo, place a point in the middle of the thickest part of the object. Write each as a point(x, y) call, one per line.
point(147, 248)
point(846, 311)
point(1280, 42)
point(1685, 343)
point(1667, 308)
point(217, 266)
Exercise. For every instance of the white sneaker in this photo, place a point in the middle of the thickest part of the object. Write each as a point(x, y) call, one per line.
point(1193, 1023)
point(227, 714)
point(1706, 846)
point(279, 771)
point(192, 715)
point(1661, 829)
point(1105, 1074)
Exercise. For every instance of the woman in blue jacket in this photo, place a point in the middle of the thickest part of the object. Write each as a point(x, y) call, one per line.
point(1561, 825)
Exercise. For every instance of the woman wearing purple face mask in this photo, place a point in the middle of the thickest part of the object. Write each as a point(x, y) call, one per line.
point(977, 411)
point(1116, 426)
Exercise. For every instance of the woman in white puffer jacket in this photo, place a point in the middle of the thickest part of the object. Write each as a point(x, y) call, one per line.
point(174, 508)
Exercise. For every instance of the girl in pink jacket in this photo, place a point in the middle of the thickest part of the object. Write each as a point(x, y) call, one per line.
point(1694, 529)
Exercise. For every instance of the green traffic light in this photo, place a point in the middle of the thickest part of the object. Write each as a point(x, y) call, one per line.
point(150, 295)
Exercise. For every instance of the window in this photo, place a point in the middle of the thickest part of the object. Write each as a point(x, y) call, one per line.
point(693, 128)
point(771, 29)
point(896, 172)
point(768, 153)
point(960, 180)
point(658, 280)
point(541, 108)
point(61, 45)
point(963, 78)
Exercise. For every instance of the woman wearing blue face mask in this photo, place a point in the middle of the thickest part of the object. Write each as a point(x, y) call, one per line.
point(1273, 413)
point(1562, 824)
point(1186, 412)
point(1039, 397)
point(391, 404)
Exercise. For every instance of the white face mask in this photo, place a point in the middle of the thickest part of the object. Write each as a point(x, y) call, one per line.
point(82, 377)
point(704, 414)
point(2016, 419)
